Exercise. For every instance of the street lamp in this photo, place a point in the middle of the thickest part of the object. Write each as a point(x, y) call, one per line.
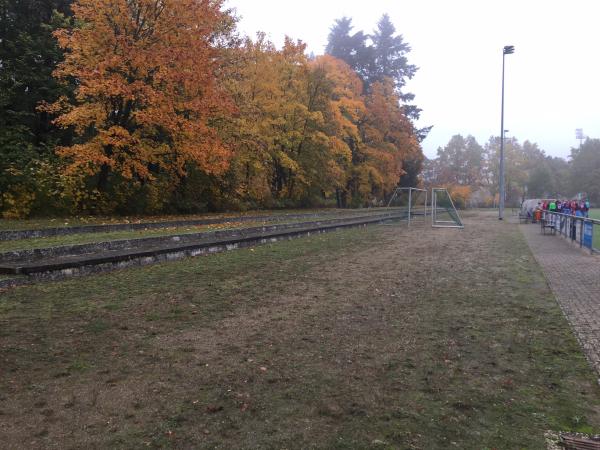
point(508, 50)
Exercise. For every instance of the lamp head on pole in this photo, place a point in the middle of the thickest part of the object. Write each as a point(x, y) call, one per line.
point(509, 49)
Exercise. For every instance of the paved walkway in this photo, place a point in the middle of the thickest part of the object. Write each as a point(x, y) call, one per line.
point(574, 277)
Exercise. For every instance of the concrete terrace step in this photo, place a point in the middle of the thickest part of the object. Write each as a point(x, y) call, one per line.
point(169, 240)
point(152, 250)
point(8, 235)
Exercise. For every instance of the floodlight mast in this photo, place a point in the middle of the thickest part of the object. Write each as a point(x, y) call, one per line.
point(508, 50)
point(409, 205)
point(579, 135)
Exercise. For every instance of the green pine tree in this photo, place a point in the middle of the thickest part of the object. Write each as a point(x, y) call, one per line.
point(28, 55)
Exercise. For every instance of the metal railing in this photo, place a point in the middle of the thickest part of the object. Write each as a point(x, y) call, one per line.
point(578, 229)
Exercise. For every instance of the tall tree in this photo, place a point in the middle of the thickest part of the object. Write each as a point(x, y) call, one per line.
point(147, 97)
point(585, 174)
point(461, 162)
point(344, 115)
point(517, 167)
point(281, 151)
point(389, 60)
point(390, 56)
point(390, 136)
point(540, 182)
point(350, 47)
point(376, 57)
point(413, 167)
point(28, 55)
point(559, 174)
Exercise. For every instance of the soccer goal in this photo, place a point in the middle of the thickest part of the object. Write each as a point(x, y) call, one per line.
point(413, 200)
point(443, 211)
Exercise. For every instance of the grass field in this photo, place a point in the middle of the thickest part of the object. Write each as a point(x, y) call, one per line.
point(384, 337)
point(595, 214)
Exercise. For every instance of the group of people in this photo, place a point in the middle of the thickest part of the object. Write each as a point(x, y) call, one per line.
point(579, 208)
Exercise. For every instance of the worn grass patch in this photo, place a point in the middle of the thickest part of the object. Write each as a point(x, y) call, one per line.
point(384, 337)
point(595, 214)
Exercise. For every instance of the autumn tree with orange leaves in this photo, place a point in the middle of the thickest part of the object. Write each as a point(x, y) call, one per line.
point(147, 97)
point(168, 110)
point(282, 152)
point(306, 131)
point(371, 130)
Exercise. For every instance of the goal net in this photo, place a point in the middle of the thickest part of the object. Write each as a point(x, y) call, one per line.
point(411, 200)
point(443, 211)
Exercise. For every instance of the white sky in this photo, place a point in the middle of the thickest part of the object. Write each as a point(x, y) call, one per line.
point(552, 80)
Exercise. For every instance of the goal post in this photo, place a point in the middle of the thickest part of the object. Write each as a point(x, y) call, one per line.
point(443, 211)
point(413, 200)
point(416, 202)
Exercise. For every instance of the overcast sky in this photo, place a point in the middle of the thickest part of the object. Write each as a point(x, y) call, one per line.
point(552, 80)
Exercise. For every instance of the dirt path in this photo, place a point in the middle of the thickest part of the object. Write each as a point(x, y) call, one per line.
point(387, 336)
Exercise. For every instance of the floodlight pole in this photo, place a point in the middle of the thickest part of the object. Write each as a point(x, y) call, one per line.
point(509, 49)
point(409, 204)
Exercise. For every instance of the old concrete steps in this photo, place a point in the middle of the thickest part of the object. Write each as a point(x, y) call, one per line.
point(58, 262)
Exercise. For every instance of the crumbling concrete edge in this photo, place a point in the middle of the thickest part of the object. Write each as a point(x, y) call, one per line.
point(177, 254)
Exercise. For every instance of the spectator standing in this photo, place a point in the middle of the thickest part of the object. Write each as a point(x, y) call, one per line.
point(537, 214)
point(552, 210)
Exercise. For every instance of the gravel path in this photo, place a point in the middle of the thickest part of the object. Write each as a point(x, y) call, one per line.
point(574, 277)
